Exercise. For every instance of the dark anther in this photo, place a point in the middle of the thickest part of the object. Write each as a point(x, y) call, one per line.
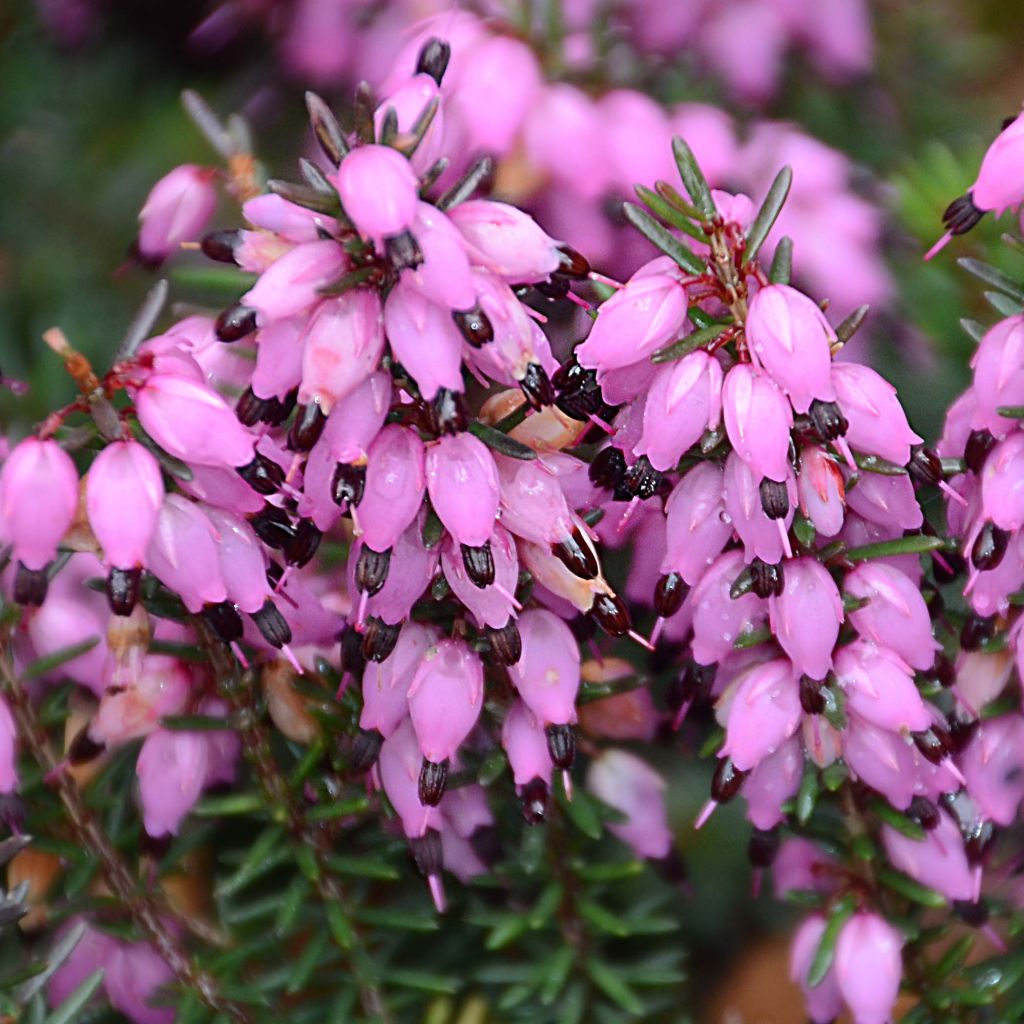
point(236, 322)
point(479, 563)
point(828, 420)
point(365, 748)
point(610, 613)
point(486, 843)
point(224, 620)
point(669, 594)
point(956, 567)
point(426, 851)
point(561, 745)
point(448, 412)
point(474, 325)
point(556, 287)
point(924, 812)
point(284, 408)
point(251, 410)
point(692, 685)
point(583, 628)
point(974, 915)
point(433, 59)
point(221, 245)
point(348, 484)
point(275, 573)
point(304, 544)
point(83, 748)
point(505, 642)
point(123, 590)
point(577, 555)
point(534, 800)
point(537, 387)
point(263, 475)
point(989, 547)
point(962, 727)
point(961, 215)
point(642, 480)
point(306, 428)
point(608, 468)
point(403, 252)
point(812, 696)
point(768, 578)
point(944, 670)
point(573, 264)
point(763, 847)
point(379, 639)
point(774, 498)
point(372, 569)
point(352, 659)
point(925, 466)
point(433, 781)
point(979, 444)
point(976, 631)
point(272, 624)
point(726, 781)
point(935, 744)
point(30, 585)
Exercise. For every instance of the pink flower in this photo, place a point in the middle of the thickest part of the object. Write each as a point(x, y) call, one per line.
point(634, 788)
point(172, 768)
point(790, 337)
point(547, 675)
point(409, 102)
point(868, 967)
point(412, 567)
point(745, 509)
point(462, 481)
point(192, 422)
point(294, 223)
point(386, 683)
point(523, 740)
point(183, 554)
point(877, 423)
point(533, 505)
point(806, 616)
point(38, 499)
point(773, 781)
point(445, 698)
point(762, 711)
point(1002, 483)
point(504, 240)
point(998, 366)
point(719, 618)
point(8, 742)
point(696, 525)
point(758, 420)
point(344, 340)
point(821, 490)
point(938, 861)
point(824, 1003)
point(998, 186)
point(292, 284)
point(395, 484)
point(379, 191)
point(444, 276)
point(399, 765)
point(491, 605)
point(123, 494)
point(993, 764)
point(176, 210)
point(881, 759)
point(880, 687)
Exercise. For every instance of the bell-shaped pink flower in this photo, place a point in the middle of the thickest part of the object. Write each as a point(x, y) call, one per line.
point(445, 698)
point(644, 315)
point(821, 490)
point(278, 358)
point(172, 771)
point(526, 745)
point(877, 423)
point(981, 677)
point(563, 136)
point(868, 967)
point(386, 683)
point(356, 420)
point(424, 339)
point(411, 569)
point(462, 481)
point(242, 560)
point(938, 861)
point(719, 618)
point(395, 483)
point(93, 951)
point(790, 338)
point(998, 186)
point(1002, 483)
point(518, 342)
point(684, 401)
point(183, 554)
point(630, 785)
point(379, 191)
point(637, 128)
point(344, 341)
point(409, 102)
point(882, 759)
point(697, 526)
point(123, 494)
point(880, 687)
point(896, 615)
point(824, 1002)
point(806, 616)
point(774, 780)
point(547, 675)
point(280, 217)
point(998, 366)
point(763, 711)
point(135, 974)
point(192, 422)
point(38, 499)
point(492, 605)
point(758, 419)
point(292, 284)
point(399, 765)
point(8, 743)
point(163, 686)
point(744, 507)
point(888, 501)
point(444, 276)
point(533, 504)
point(506, 241)
point(993, 764)
point(176, 210)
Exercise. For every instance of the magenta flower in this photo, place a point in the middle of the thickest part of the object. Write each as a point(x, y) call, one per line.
point(523, 739)
point(412, 566)
point(533, 504)
point(1002, 483)
point(821, 490)
point(547, 675)
point(868, 967)
point(790, 338)
point(879, 686)
point(177, 210)
point(938, 861)
point(38, 499)
point(993, 764)
point(696, 524)
point(462, 481)
point(386, 683)
point(379, 191)
point(763, 537)
point(8, 744)
point(882, 759)
point(172, 769)
point(395, 484)
point(292, 283)
point(409, 102)
point(758, 419)
point(719, 618)
point(806, 616)
point(493, 605)
point(773, 781)
point(504, 240)
point(824, 1002)
point(400, 763)
point(444, 276)
point(183, 554)
point(634, 788)
point(877, 423)
point(762, 710)
point(998, 366)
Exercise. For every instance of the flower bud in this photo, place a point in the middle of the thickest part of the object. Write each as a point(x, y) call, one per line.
point(821, 490)
point(757, 420)
point(379, 191)
point(868, 967)
point(176, 210)
point(805, 618)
